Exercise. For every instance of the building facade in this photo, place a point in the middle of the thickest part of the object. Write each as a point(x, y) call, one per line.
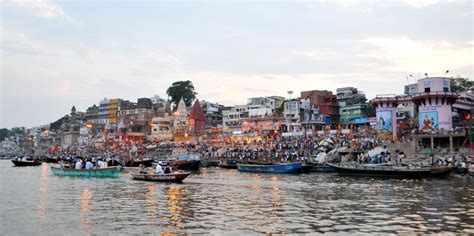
point(352, 105)
point(326, 102)
point(213, 114)
point(434, 102)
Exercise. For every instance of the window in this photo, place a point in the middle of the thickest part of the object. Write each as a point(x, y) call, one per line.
point(445, 85)
point(427, 86)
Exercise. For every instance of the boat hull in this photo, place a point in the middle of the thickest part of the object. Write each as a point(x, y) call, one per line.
point(187, 165)
point(228, 166)
point(174, 177)
point(137, 163)
point(390, 171)
point(26, 163)
point(277, 168)
point(306, 168)
point(109, 172)
point(322, 169)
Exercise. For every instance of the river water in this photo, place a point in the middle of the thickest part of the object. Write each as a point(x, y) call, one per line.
point(220, 201)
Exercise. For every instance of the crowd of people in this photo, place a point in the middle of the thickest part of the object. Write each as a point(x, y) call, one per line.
point(270, 148)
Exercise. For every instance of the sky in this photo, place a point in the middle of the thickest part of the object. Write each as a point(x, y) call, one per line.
point(56, 54)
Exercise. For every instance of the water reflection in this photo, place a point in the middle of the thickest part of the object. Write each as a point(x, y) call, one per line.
point(175, 210)
point(151, 203)
point(85, 209)
point(220, 201)
point(43, 190)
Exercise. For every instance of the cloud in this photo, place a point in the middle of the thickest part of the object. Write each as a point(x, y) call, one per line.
point(407, 54)
point(315, 54)
point(411, 3)
point(38, 8)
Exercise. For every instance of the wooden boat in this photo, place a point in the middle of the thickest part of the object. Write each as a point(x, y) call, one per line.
point(214, 163)
point(471, 170)
point(176, 177)
point(229, 164)
point(26, 163)
point(187, 162)
point(276, 168)
point(392, 171)
point(306, 168)
point(255, 162)
point(114, 162)
point(461, 170)
point(49, 159)
point(137, 162)
point(112, 172)
point(205, 163)
point(324, 168)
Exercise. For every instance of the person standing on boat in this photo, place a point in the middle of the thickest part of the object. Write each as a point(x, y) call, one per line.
point(159, 169)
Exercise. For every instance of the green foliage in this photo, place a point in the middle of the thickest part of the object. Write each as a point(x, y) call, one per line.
point(56, 125)
point(370, 110)
point(460, 84)
point(182, 89)
point(3, 134)
point(279, 110)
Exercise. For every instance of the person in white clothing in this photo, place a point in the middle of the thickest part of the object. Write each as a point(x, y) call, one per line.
point(100, 164)
point(159, 169)
point(79, 165)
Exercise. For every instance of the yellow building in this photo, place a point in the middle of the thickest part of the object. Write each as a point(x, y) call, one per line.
point(112, 110)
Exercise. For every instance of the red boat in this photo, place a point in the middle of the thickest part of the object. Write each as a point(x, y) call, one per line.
point(172, 177)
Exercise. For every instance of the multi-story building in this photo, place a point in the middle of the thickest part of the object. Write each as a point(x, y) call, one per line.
point(162, 106)
point(213, 114)
point(112, 111)
point(303, 115)
point(136, 117)
point(92, 115)
point(233, 116)
point(161, 129)
point(434, 102)
point(272, 102)
point(352, 105)
point(326, 101)
point(411, 89)
point(103, 111)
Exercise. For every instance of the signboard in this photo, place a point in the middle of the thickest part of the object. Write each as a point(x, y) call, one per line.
point(384, 121)
point(429, 120)
point(360, 121)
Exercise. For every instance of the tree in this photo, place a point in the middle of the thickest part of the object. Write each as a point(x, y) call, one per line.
point(279, 110)
point(57, 124)
point(3, 134)
point(182, 89)
point(460, 84)
point(370, 110)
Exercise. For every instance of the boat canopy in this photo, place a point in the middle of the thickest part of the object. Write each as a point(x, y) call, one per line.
point(190, 157)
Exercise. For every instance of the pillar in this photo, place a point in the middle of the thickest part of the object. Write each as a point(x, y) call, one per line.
point(432, 143)
point(450, 144)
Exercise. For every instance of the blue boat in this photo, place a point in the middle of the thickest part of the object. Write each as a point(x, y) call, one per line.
point(276, 168)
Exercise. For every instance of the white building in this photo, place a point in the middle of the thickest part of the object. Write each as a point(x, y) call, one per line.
point(161, 129)
point(232, 116)
point(181, 116)
point(272, 102)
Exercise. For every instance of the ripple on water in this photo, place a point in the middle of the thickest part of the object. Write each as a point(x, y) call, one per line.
point(228, 202)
